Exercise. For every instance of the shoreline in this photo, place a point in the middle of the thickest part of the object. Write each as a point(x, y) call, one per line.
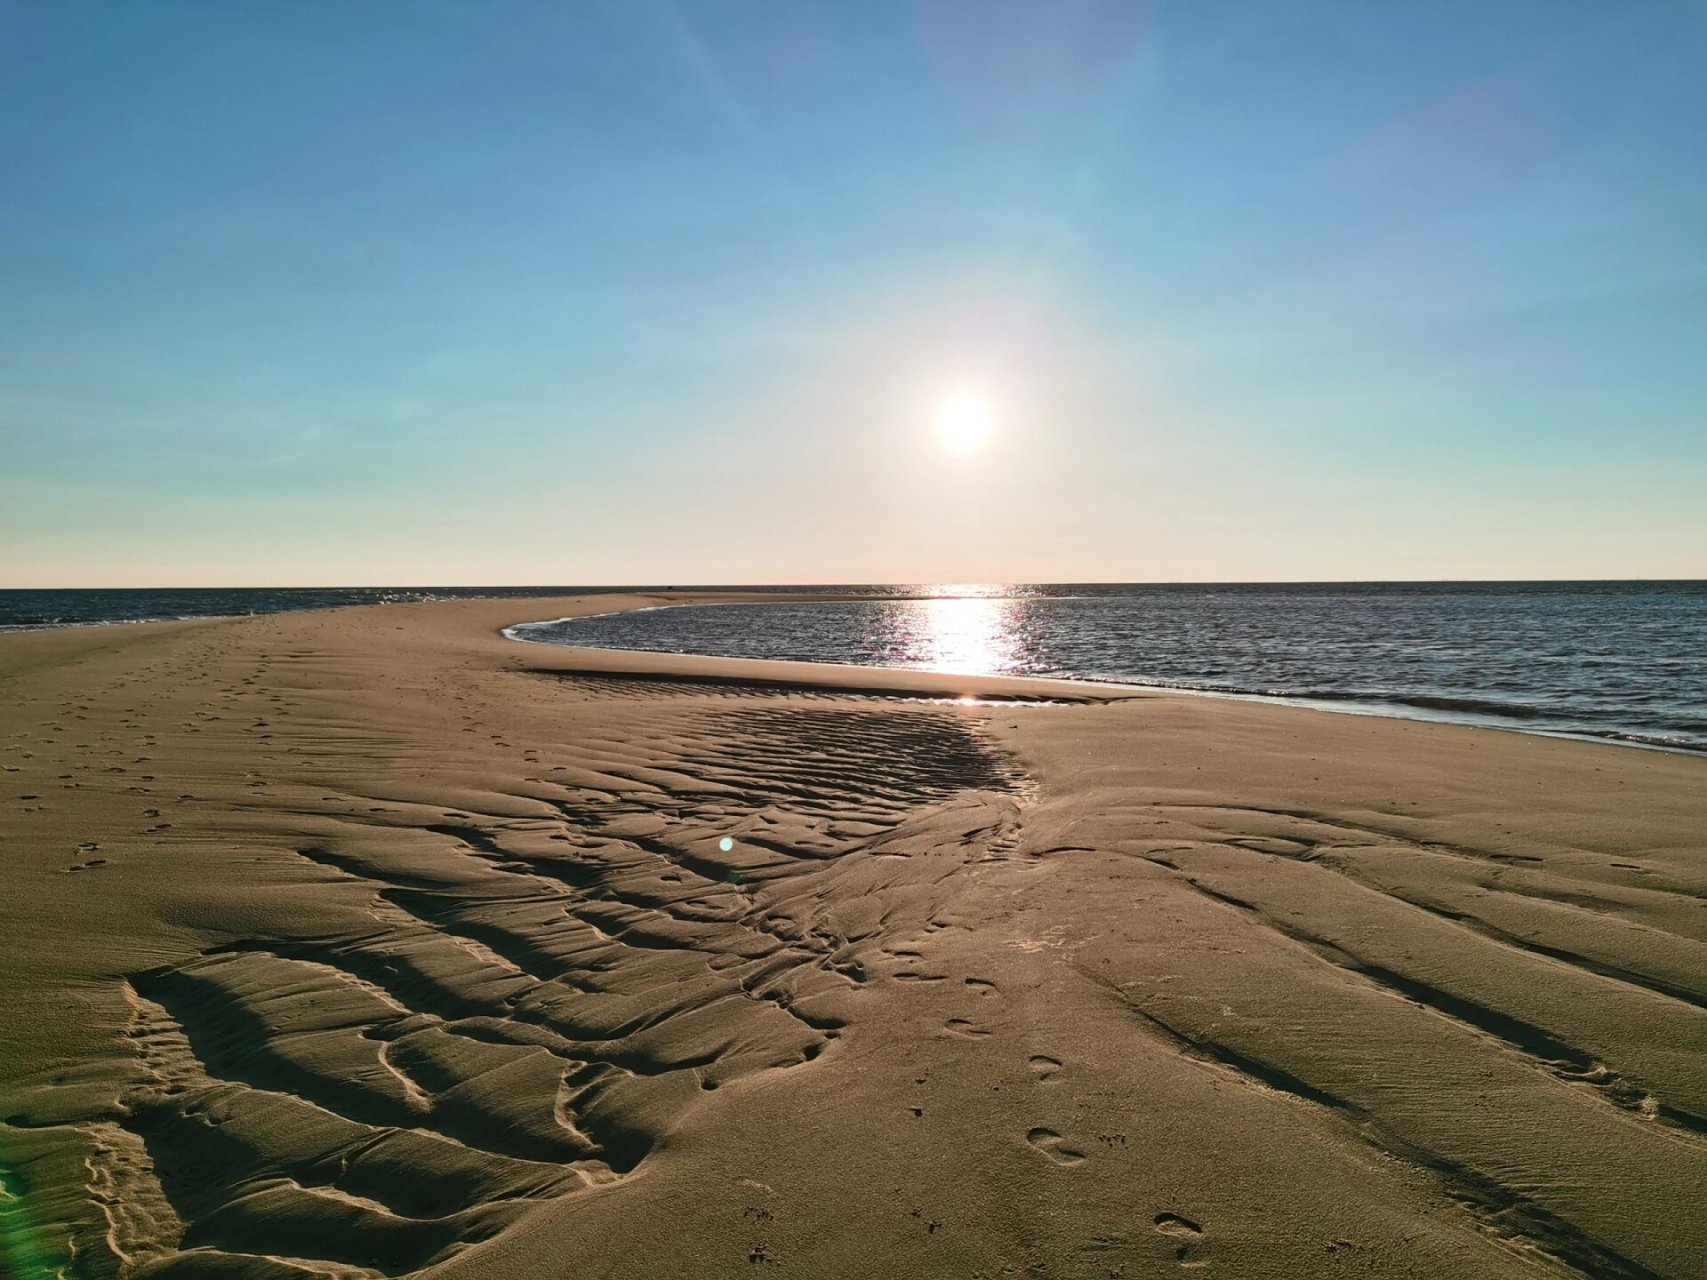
point(1346, 705)
point(1400, 707)
point(375, 944)
point(694, 598)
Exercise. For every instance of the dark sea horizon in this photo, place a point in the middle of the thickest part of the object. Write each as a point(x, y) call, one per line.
point(1616, 661)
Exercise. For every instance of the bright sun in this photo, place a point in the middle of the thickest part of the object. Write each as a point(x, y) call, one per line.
point(965, 422)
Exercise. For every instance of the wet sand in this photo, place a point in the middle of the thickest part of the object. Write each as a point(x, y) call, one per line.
point(369, 942)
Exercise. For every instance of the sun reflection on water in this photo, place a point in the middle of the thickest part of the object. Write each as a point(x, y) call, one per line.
point(966, 636)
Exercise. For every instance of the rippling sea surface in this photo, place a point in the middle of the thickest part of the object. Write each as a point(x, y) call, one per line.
point(1620, 661)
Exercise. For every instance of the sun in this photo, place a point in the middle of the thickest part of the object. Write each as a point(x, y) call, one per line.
point(965, 422)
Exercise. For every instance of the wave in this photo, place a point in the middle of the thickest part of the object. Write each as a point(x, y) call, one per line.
point(1443, 702)
point(1362, 697)
point(1548, 721)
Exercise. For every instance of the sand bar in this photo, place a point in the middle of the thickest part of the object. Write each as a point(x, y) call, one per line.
point(370, 943)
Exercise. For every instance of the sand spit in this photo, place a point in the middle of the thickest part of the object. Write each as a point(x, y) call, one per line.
point(369, 943)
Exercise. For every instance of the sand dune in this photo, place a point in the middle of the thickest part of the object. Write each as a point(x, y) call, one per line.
point(370, 943)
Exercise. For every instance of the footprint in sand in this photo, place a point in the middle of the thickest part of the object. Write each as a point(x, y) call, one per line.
point(964, 1029)
point(1183, 1229)
point(1045, 1067)
point(1054, 1147)
point(982, 986)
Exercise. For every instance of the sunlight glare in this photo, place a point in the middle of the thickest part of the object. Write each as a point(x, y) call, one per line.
point(964, 422)
point(969, 636)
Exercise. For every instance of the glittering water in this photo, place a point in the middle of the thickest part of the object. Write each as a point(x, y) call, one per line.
point(1620, 661)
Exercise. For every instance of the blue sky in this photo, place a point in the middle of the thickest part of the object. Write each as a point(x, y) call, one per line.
point(456, 292)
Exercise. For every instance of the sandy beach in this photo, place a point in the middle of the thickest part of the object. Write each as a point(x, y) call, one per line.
point(371, 943)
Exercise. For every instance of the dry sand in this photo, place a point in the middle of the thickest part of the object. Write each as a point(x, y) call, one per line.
point(368, 942)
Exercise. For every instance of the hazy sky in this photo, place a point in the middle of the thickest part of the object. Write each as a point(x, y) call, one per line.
point(570, 292)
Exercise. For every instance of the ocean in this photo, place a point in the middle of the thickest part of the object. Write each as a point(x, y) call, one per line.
point(1614, 661)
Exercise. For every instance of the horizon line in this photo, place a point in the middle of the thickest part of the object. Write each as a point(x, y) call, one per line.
point(781, 586)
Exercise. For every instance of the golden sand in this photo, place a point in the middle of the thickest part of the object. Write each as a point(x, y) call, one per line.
point(368, 943)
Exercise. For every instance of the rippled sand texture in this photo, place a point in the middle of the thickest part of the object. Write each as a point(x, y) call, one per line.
point(371, 944)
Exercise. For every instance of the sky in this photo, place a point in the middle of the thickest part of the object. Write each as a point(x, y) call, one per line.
point(566, 292)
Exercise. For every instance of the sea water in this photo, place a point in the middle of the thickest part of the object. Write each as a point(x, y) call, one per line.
point(1621, 661)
